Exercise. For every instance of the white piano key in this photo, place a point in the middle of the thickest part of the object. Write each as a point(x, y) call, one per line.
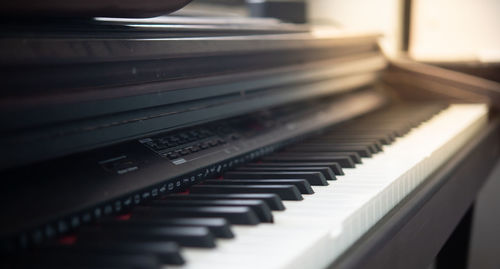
point(313, 232)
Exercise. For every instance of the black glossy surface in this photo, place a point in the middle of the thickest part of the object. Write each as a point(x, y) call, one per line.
point(258, 207)
point(335, 167)
point(234, 214)
point(314, 178)
point(285, 192)
point(325, 171)
point(301, 184)
point(272, 200)
point(184, 236)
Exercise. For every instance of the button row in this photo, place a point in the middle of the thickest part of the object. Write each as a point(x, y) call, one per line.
point(170, 141)
point(172, 155)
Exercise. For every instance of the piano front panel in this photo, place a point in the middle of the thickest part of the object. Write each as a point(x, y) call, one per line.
point(130, 173)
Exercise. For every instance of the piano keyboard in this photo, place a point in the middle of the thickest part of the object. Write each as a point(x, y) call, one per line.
point(300, 207)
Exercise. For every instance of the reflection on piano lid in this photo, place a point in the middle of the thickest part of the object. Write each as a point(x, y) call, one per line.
point(89, 8)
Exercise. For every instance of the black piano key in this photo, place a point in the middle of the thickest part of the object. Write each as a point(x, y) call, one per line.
point(165, 252)
point(184, 236)
point(387, 134)
point(73, 258)
point(234, 215)
point(325, 171)
point(259, 207)
point(368, 141)
point(79, 266)
point(381, 125)
point(301, 184)
point(363, 151)
point(75, 266)
point(272, 200)
point(345, 162)
point(355, 158)
point(402, 131)
point(372, 147)
point(341, 146)
point(219, 227)
point(385, 140)
point(314, 178)
point(335, 167)
point(285, 192)
point(389, 130)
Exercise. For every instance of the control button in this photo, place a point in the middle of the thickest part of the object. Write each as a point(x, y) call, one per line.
point(234, 136)
point(151, 144)
point(171, 144)
point(154, 192)
point(163, 188)
point(161, 146)
point(172, 155)
point(213, 143)
point(204, 146)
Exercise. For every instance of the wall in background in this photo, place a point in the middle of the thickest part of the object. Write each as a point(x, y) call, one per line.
point(455, 30)
point(381, 16)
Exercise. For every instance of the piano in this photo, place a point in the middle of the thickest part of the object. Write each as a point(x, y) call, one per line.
point(176, 142)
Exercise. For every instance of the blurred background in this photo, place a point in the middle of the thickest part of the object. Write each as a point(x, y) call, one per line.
point(459, 34)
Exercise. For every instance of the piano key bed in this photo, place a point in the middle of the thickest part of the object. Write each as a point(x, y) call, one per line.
point(300, 207)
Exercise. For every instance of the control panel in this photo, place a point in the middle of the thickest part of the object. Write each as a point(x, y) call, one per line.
point(112, 179)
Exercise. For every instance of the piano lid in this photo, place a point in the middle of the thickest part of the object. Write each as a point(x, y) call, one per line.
point(77, 85)
point(90, 8)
